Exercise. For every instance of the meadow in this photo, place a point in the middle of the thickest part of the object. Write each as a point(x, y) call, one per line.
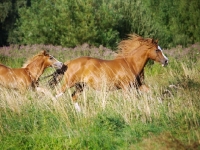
point(167, 117)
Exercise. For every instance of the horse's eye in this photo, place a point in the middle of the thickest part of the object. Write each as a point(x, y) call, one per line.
point(50, 57)
point(157, 50)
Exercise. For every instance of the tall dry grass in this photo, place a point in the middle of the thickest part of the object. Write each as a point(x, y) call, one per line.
point(167, 117)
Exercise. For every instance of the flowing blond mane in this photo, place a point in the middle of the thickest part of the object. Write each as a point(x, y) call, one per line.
point(30, 60)
point(130, 46)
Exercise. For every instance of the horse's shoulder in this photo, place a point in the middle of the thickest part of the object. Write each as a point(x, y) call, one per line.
point(81, 58)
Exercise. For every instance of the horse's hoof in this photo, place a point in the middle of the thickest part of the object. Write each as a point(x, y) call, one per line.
point(58, 95)
point(77, 107)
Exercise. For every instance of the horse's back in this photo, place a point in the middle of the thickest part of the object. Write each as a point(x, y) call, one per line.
point(13, 77)
point(82, 60)
point(83, 64)
point(3, 69)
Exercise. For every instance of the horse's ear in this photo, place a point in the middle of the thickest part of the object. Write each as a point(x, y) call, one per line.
point(45, 53)
point(155, 41)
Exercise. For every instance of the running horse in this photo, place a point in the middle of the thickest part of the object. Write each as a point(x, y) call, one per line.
point(27, 76)
point(123, 72)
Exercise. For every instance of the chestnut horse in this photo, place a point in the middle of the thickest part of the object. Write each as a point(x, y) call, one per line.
point(27, 76)
point(121, 73)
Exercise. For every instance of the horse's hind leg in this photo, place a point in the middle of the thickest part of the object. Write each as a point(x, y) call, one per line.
point(65, 85)
point(78, 89)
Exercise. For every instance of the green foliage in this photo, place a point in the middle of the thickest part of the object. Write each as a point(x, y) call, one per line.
point(8, 17)
point(67, 23)
point(5, 7)
point(98, 22)
point(71, 23)
point(17, 62)
point(178, 21)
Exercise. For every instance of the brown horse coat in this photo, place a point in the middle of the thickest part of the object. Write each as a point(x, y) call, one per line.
point(26, 77)
point(120, 73)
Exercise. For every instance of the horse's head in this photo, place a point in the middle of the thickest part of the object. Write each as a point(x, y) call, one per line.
point(156, 53)
point(49, 60)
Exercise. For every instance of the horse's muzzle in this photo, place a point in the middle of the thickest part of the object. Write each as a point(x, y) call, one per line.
point(165, 62)
point(58, 65)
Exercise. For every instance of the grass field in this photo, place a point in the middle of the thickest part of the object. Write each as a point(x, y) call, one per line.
point(167, 118)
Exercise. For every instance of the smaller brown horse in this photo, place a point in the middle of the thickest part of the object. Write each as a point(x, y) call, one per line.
point(27, 76)
point(123, 72)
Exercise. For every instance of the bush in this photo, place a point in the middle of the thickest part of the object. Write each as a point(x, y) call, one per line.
point(71, 23)
point(97, 22)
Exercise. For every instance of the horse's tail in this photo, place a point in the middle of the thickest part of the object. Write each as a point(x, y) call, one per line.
point(57, 76)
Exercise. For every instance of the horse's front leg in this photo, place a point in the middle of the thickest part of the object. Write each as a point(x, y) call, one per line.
point(78, 89)
point(65, 85)
point(140, 78)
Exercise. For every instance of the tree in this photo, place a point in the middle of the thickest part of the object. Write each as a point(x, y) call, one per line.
point(98, 22)
point(8, 16)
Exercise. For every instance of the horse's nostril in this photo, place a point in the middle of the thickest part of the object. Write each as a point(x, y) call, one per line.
point(166, 61)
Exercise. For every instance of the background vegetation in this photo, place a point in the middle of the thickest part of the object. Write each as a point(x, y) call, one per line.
point(98, 22)
point(168, 117)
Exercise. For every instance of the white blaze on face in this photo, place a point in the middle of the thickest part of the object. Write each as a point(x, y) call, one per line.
point(162, 54)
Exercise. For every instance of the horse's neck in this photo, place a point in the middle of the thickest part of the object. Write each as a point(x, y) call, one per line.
point(36, 68)
point(137, 62)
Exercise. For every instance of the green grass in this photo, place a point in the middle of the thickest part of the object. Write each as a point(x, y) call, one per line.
point(167, 117)
point(11, 62)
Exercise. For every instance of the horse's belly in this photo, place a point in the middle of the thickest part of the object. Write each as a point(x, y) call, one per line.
point(103, 86)
point(107, 84)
